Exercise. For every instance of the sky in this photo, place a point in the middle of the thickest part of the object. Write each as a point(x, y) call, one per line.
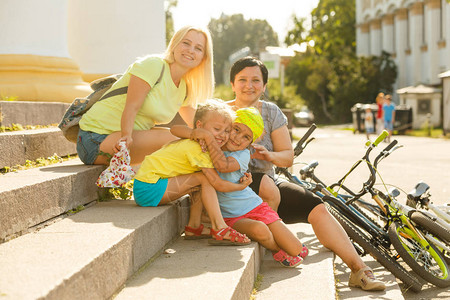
point(277, 12)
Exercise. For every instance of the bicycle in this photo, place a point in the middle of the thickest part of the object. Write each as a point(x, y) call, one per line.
point(408, 241)
point(368, 239)
point(436, 227)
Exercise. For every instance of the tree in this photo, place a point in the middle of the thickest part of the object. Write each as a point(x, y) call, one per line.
point(329, 76)
point(169, 4)
point(232, 33)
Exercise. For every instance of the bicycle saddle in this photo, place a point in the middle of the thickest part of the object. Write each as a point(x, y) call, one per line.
point(418, 190)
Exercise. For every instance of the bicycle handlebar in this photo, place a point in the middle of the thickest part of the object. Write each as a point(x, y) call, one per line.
point(299, 147)
point(380, 138)
point(390, 146)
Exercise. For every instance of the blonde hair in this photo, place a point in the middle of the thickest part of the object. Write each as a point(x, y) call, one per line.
point(213, 105)
point(199, 80)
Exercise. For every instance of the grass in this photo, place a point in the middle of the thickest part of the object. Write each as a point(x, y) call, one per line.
point(19, 127)
point(40, 162)
point(256, 286)
point(433, 132)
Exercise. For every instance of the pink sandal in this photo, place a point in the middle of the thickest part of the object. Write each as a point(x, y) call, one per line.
point(304, 252)
point(236, 238)
point(197, 233)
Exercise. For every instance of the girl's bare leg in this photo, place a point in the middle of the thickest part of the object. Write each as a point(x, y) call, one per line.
point(331, 234)
point(285, 238)
point(258, 232)
point(195, 213)
point(144, 143)
point(184, 184)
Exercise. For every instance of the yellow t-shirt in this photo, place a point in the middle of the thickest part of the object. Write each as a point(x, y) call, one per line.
point(160, 105)
point(174, 159)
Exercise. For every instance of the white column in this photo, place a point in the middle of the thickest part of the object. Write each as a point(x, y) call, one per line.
point(401, 24)
point(387, 29)
point(375, 37)
point(433, 35)
point(362, 40)
point(416, 38)
point(34, 60)
point(106, 36)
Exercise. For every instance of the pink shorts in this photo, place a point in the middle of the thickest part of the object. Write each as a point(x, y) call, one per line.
point(262, 212)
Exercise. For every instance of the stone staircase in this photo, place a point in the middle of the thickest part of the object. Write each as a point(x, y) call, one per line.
point(115, 249)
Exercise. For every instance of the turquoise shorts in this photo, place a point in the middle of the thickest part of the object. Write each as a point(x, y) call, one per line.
point(149, 194)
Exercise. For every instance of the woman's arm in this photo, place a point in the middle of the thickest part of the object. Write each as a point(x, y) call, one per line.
point(138, 89)
point(222, 163)
point(224, 186)
point(187, 113)
point(283, 154)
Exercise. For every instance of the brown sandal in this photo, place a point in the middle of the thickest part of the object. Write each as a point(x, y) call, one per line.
point(236, 238)
point(197, 233)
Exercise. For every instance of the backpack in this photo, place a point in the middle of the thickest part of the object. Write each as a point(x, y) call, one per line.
point(69, 122)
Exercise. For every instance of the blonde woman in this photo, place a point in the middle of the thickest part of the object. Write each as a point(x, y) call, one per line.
point(159, 86)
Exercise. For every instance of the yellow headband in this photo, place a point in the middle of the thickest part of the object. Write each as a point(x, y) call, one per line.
point(251, 117)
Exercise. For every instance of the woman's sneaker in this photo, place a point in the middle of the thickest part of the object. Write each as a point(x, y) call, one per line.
point(287, 260)
point(366, 280)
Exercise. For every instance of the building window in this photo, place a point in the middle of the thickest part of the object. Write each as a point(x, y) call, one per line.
point(423, 106)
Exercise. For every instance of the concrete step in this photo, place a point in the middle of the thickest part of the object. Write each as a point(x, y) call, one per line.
point(89, 255)
point(18, 146)
point(322, 275)
point(31, 113)
point(30, 197)
point(193, 269)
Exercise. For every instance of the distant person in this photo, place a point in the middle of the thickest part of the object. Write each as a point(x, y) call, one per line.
point(388, 116)
point(368, 121)
point(380, 122)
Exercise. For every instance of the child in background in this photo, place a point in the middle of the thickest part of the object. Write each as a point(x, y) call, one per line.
point(173, 171)
point(389, 116)
point(368, 121)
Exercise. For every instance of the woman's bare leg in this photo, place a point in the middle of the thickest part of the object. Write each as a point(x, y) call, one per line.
point(269, 192)
point(144, 143)
point(331, 234)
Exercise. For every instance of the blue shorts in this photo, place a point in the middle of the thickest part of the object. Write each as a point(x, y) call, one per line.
point(149, 194)
point(388, 125)
point(88, 145)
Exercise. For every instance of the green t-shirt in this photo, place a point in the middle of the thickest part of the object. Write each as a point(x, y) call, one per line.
point(160, 106)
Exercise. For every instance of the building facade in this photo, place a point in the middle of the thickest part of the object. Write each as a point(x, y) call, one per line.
point(417, 35)
point(415, 32)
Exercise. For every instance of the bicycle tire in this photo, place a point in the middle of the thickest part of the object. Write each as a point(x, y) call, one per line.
point(433, 227)
point(427, 263)
point(358, 236)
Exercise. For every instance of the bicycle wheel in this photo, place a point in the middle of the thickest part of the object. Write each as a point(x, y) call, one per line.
point(433, 227)
point(439, 234)
point(426, 261)
point(378, 252)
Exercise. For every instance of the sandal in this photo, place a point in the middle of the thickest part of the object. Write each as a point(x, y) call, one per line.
point(304, 252)
point(236, 238)
point(287, 260)
point(197, 233)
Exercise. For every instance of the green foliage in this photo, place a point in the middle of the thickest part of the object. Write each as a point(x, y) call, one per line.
point(288, 99)
point(168, 5)
point(76, 210)
point(232, 33)
point(224, 92)
point(125, 192)
point(329, 76)
point(39, 162)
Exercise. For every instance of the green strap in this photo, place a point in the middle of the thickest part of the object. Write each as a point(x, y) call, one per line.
point(124, 90)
